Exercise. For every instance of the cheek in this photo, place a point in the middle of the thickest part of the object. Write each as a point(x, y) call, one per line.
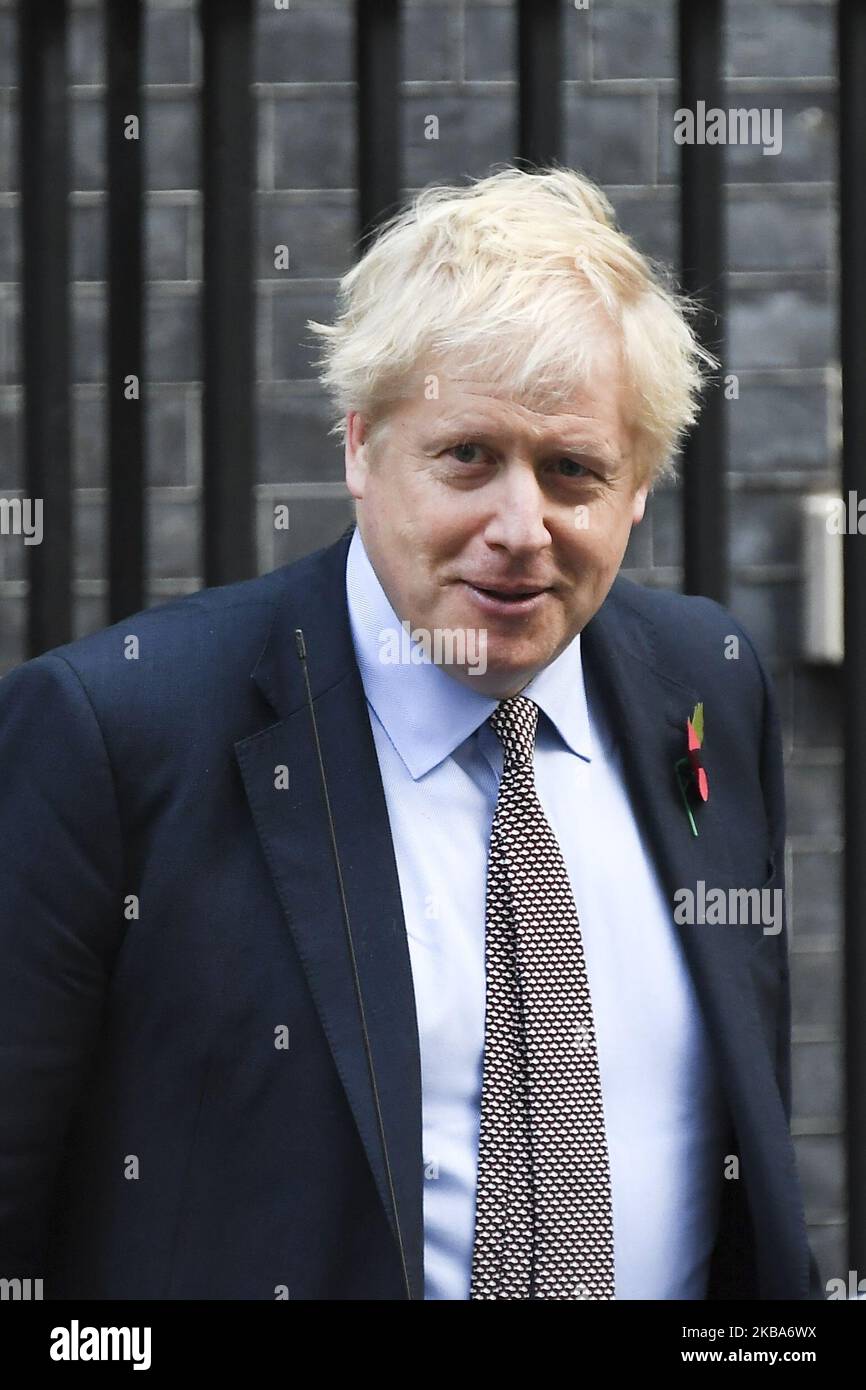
point(614, 525)
point(594, 555)
point(412, 506)
point(596, 545)
point(441, 533)
point(395, 514)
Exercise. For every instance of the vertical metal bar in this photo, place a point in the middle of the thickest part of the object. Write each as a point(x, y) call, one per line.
point(539, 60)
point(228, 158)
point(126, 558)
point(702, 257)
point(852, 299)
point(45, 238)
point(377, 65)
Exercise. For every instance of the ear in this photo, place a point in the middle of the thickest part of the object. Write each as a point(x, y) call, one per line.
point(639, 504)
point(356, 453)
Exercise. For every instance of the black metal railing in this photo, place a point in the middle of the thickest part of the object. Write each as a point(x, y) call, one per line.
point(125, 401)
point(702, 271)
point(228, 158)
point(44, 149)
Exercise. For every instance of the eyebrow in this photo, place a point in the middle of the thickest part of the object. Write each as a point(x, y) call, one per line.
point(476, 431)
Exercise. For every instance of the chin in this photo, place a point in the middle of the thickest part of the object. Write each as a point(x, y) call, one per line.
point(515, 656)
point(515, 673)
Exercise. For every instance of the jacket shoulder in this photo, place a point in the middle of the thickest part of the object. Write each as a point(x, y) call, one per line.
point(685, 632)
point(181, 653)
point(240, 610)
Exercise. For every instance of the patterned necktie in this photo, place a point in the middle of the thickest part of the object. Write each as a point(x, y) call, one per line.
point(543, 1214)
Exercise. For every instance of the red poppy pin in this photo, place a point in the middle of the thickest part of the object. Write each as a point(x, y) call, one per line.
point(691, 774)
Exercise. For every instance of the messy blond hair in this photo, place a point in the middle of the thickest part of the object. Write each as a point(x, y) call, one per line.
point(509, 274)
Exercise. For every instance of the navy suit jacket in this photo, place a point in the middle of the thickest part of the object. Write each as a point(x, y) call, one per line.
point(168, 908)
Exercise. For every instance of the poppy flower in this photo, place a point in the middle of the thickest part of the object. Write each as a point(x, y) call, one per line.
point(695, 736)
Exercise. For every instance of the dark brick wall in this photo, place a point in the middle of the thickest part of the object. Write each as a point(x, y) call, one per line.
point(459, 64)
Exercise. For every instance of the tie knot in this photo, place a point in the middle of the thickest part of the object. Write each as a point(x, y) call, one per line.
point(514, 722)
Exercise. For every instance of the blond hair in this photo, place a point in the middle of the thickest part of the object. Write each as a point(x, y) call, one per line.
point(511, 272)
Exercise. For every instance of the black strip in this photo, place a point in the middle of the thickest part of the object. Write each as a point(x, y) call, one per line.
point(46, 335)
point(539, 60)
point(126, 561)
point(228, 154)
point(377, 65)
point(852, 219)
point(702, 257)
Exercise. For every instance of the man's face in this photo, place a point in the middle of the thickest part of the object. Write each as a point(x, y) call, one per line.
point(471, 497)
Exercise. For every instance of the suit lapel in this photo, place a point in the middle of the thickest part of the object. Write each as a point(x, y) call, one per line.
point(294, 830)
point(650, 710)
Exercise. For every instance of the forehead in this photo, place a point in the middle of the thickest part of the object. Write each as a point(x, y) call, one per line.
point(466, 399)
point(528, 414)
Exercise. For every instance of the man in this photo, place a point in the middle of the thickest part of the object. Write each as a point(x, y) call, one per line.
point(345, 911)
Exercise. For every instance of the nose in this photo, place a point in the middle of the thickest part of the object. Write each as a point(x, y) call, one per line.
point(516, 519)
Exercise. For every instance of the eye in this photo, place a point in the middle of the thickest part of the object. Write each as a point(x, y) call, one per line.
point(457, 448)
point(575, 469)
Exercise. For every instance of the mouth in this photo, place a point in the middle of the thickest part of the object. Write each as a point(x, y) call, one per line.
point(507, 600)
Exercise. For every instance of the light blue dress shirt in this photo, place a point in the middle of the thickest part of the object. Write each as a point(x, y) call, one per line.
point(441, 764)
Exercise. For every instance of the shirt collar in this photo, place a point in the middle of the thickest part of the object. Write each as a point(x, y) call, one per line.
point(425, 712)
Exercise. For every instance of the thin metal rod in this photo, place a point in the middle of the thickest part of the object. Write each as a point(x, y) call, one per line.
point(228, 158)
point(126, 405)
point(702, 256)
point(539, 64)
point(46, 337)
point(377, 66)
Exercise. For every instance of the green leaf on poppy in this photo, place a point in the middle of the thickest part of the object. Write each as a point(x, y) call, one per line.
point(698, 721)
